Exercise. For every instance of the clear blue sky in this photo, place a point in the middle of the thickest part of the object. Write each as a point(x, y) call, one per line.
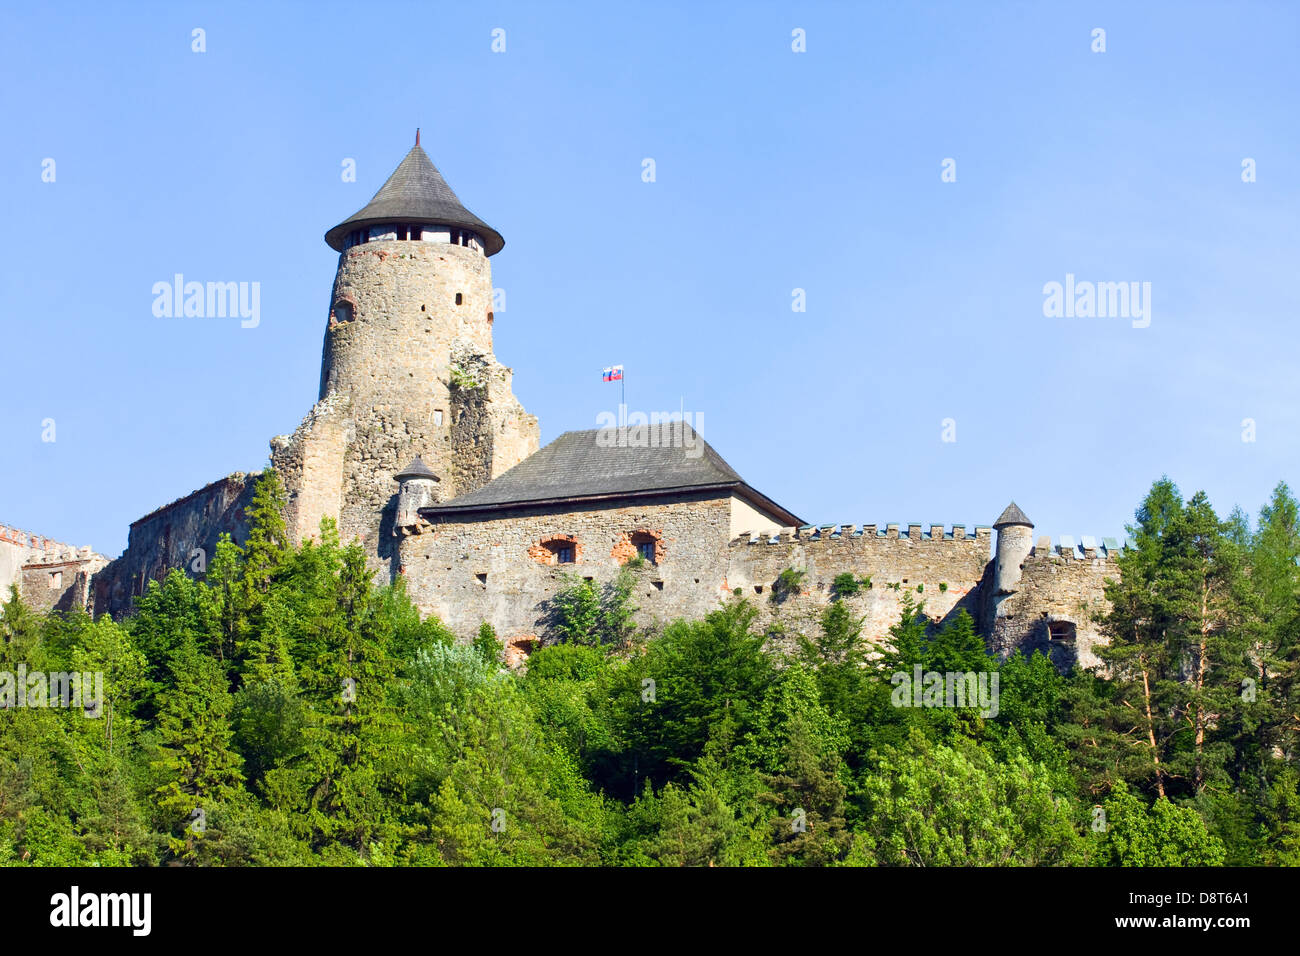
point(775, 171)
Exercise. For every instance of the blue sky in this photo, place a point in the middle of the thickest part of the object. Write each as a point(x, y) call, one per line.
point(775, 170)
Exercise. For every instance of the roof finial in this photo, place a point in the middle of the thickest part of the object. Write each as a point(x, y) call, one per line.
point(417, 136)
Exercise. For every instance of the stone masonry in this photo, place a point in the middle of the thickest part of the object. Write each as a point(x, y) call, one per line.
point(407, 370)
point(49, 575)
point(419, 449)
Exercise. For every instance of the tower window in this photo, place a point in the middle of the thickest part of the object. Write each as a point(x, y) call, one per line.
point(1060, 631)
point(459, 298)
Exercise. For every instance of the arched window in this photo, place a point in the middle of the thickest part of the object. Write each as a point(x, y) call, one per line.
point(556, 549)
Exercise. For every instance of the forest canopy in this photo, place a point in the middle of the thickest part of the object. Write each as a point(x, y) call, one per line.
point(281, 709)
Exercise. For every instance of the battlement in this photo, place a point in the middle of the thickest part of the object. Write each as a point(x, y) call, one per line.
point(36, 542)
point(890, 530)
point(1086, 548)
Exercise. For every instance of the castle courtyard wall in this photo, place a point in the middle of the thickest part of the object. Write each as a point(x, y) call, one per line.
point(943, 570)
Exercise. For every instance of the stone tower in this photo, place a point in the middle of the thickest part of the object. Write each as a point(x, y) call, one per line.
point(407, 368)
point(1015, 541)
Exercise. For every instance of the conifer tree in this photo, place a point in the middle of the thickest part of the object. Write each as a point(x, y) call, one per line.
point(1143, 650)
point(200, 768)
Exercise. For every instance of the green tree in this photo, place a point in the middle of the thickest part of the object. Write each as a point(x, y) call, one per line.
point(200, 767)
point(1162, 834)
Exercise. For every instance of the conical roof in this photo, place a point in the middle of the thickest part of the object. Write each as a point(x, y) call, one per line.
point(416, 192)
point(1012, 515)
point(416, 469)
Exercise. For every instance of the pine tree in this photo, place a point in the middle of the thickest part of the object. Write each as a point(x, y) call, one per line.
point(194, 732)
point(810, 828)
point(1142, 654)
point(339, 787)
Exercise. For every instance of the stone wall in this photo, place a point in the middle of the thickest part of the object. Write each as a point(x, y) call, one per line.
point(60, 581)
point(943, 569)
point(166, 539)
point(1063, 586)
point(407, 369)
point(310, 465)
point(50, 575)
point(498, 567)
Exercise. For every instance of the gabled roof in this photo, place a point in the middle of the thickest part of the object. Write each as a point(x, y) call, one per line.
point(1012, 515)
point(602, 463)
point(416, 192)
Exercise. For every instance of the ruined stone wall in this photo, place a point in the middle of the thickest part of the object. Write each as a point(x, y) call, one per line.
point(942, 569)
point(406, 370)
point(499, 568)
point(310, 466)
point(166, 538)
point(13, 554)
point(60, 581)
point(50, 575)
point(1062, 585)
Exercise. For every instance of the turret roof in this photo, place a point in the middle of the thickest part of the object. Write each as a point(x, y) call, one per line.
point(416, 192)
point(416, 469)
point(1012, 515)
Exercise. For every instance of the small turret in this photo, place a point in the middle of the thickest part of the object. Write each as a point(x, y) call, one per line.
point(1015, 541)
point(417, 488)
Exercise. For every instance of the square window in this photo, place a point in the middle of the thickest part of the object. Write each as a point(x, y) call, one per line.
point(564, 555)
point(646, 549)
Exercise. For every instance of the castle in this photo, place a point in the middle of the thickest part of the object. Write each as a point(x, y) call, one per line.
point(419, 449)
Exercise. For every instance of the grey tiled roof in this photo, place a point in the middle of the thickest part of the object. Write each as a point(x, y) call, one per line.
point(592, 464)
point(1012, 515)
point(416, 192)
point(416, 469)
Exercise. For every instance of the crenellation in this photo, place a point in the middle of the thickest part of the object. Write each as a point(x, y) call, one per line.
point(416, 443)
point(48, 574)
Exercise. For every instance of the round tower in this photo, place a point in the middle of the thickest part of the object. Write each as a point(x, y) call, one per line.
point(413, 285)
point(1015, 541)
point(407, 367)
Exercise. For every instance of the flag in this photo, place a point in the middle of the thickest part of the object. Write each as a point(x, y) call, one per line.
point(613, 374)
